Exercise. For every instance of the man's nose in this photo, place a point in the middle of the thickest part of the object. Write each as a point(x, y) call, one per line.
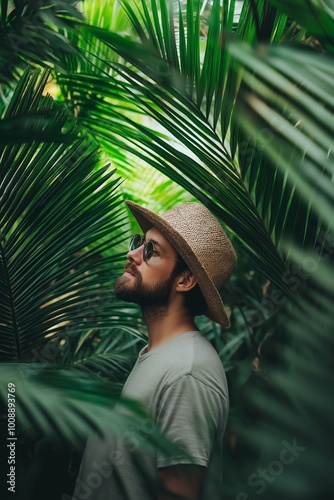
point(136, 255)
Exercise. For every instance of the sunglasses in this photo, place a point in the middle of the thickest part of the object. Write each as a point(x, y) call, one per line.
point(137, 241)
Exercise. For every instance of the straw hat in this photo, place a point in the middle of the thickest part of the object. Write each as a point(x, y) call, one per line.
point(202, 243)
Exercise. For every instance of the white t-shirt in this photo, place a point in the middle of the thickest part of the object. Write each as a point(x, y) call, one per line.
point(182, 386)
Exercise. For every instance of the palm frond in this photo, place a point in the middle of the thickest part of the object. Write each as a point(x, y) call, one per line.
point(23, 121)
point(29, 34)
point(286, 111)
point(61, 401)
point(60, 217)
point(317, 17)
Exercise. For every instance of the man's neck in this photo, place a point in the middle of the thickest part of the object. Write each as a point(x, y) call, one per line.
point(165, 323)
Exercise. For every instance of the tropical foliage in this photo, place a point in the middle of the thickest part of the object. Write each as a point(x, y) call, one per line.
point(238, 111)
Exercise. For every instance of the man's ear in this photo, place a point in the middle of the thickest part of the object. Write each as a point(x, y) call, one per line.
point(186, 281)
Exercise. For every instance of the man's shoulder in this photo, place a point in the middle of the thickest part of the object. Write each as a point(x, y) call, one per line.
point(201, 354)
point(195, 356)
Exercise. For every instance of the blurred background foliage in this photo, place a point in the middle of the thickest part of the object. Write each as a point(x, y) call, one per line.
point(225, 102)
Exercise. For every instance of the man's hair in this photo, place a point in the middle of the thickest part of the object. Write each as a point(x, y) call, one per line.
point(194, 300)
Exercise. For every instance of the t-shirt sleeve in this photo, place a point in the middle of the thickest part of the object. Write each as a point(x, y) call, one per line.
point(190, 415)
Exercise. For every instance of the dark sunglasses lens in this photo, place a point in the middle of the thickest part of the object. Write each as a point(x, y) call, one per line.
point(136, 242)
point(148, 251)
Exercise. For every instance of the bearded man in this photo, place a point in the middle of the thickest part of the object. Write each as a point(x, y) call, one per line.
point(173, 273)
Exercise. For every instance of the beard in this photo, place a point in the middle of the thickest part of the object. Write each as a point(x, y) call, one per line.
point(144, 295)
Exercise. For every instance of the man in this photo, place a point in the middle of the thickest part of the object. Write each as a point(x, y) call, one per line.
point(173, 273)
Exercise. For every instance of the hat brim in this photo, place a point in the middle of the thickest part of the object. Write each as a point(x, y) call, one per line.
point(146, 220)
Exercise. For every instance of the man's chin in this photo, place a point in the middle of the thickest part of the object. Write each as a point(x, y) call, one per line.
point(121, 287)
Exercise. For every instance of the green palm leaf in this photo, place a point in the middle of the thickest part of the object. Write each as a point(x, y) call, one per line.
point(23, 122)
point(317, 16)
point(30, 33)
point(286, 121)
point(59, 216)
